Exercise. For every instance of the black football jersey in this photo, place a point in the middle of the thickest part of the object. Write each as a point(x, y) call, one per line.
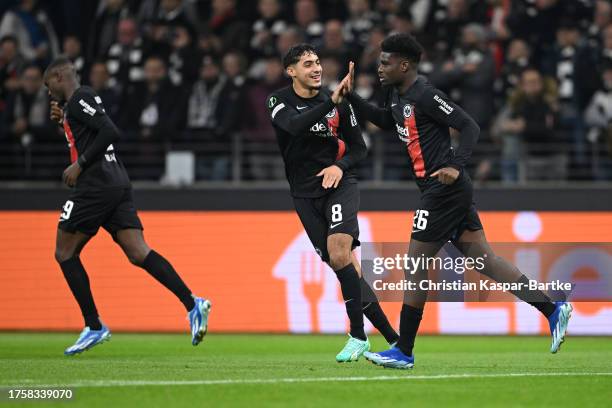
point(84, 115)
point(333, 138)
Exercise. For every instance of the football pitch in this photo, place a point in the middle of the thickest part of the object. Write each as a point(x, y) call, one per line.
point(147, 370)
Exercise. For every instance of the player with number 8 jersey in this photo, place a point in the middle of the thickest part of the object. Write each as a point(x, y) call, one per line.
point(320, 141)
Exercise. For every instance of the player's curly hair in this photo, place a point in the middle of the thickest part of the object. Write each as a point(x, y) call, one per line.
point(295, 53)
point(403, 44)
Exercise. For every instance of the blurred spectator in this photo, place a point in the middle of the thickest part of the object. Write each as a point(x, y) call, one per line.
point(288, 38)
point(210, 117)
point(332, 67)
point(573, 64)
point(126, 57)
point(103, 31)
point(98, 80)
point(11, 63)
point(371, 53)
point(605, 52)
point(526, 127)
point(517, 59)
point(446, 19)
point(184, 59)
point(306, 14)
point(360, 23)
point(333, 44)
point(267, 28)
point(149, 116)
point(71, 48)
point(469, 75)
point(401, 23)
point(602, 16)
point(225, 23)
point(265, 162)
point(26, 117)
point(598, 118)
point(34, 32)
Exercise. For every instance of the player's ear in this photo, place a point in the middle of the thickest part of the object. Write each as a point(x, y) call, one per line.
point(290, 71)
point(405, 66)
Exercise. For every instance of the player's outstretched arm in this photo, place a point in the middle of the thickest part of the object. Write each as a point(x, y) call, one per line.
point(381, 117)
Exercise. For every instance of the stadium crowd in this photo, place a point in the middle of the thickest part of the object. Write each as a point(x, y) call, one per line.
point(535, 74)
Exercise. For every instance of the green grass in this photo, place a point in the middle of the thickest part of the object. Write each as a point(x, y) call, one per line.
point(28, 360)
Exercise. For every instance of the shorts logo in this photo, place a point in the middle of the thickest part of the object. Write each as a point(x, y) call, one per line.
point(271, 102)
point(331, 113)
point(407, 111)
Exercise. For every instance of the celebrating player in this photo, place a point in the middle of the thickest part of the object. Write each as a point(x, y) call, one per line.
point(422, 115)
point(102, 196)
point(321, 142)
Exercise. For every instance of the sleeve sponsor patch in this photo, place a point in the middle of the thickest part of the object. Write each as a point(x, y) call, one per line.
point(87, 108)
point(443, 105)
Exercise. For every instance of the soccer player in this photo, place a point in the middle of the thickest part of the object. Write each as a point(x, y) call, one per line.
point(101, 196)
point(321, 142)
point(422, 116)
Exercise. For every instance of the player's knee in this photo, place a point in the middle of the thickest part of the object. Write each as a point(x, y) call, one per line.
point(136, 256)
point(339, 257)
point(63, 254)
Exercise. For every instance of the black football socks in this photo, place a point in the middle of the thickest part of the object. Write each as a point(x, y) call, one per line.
point(164, 273)
point(372, 310)
point(410, 319)
point(535, 298)
point(351, 293)
point(78, 281)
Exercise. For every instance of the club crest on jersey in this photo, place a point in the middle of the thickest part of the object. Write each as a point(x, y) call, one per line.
point(331, 113)
point(407, 111)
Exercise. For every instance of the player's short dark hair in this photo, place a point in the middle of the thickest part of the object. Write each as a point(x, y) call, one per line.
point(404, 45)
point(57, 63)
point(295, 53)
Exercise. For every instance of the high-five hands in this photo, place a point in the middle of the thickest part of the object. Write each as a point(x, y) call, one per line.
point(345, 86)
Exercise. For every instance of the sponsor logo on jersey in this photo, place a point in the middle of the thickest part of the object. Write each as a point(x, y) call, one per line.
point(407, 111)
point(403, 133)
point(87, 108)
point(271, 102)
point(319, 128)
point(444, 107)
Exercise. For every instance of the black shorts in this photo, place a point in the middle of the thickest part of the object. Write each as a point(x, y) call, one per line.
point(445, 211)
point(86, 211)
point(331, 214)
